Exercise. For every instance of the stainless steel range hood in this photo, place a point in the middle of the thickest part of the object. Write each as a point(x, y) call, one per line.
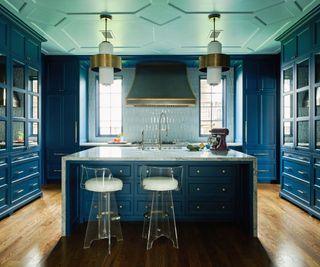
point(161, 84)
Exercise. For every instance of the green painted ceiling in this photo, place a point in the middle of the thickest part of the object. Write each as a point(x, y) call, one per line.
point(160, 27)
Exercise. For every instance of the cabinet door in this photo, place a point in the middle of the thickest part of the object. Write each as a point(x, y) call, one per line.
point(289, 49)
point(17, 44)
point(54, 77)
point(304, 42)
point(268, 75)
point(61, 122)
point(3, 34)
point(252, 128)
point(251, 76)
point(268, 119)
point(32, 52)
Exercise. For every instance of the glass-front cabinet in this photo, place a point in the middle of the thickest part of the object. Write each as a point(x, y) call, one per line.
point(317, 100)
point(302, 104)
point(33, 107)
point(287, 107)
point(3, 102)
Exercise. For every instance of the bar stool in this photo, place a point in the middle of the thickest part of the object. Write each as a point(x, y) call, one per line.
point(160, 220)
point(104, 220)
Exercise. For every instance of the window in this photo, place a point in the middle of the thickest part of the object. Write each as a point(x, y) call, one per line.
point(211, 106)
point(109, 105)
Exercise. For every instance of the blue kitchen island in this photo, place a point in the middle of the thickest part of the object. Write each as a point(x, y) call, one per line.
point(216, 186)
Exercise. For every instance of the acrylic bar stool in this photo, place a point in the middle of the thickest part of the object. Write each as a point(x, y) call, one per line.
point(104, 220)
point(160, 220)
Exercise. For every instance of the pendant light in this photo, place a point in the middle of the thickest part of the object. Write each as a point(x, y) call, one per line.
point(214, 63)
point(105, 62)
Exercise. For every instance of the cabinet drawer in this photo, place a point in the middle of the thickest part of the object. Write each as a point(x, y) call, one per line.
point(262, 154)
point(297, 188)
point(23, 188)
point(24, 170)
point(211, 171)
point(3, 198)
point(299, 170)
point(3, 176)
point(120, 171)
point(54, 170)
point(212, 190)
point(317, 198)
point(317, 174)
point(56, 155)
point(25, 157)
point(200, 207)
point(143, 206)
point(266, 170)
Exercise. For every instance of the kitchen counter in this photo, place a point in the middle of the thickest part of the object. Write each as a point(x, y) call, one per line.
point(237, 173)
point(108, 144)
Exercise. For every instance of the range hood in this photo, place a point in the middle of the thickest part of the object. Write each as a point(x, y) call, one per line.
point(161, 84)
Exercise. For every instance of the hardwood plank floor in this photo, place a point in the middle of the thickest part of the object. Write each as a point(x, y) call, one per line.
point(288, 237)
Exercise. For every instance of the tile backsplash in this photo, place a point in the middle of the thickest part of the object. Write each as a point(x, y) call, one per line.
point(183, 122)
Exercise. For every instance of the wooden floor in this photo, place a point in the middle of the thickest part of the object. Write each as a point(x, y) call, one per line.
point(288, 237)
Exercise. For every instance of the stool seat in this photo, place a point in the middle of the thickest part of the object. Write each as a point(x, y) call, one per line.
point(103, 185)
point(160, 183)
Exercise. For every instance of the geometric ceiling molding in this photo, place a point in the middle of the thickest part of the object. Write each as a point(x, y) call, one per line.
point(158, 26)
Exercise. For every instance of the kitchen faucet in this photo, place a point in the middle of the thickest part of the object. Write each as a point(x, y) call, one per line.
point(142, 140)
point(162, 115)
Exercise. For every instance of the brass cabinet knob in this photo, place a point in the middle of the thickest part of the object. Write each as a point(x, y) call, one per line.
point(198, 188)
point(223, 171)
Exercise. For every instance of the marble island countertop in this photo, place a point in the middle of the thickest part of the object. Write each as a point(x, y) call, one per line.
point(175, 154)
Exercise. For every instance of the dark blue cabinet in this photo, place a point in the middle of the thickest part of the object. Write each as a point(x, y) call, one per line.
point(62, 85)
point(261, 90)
point(299, 172)
point(20, 115)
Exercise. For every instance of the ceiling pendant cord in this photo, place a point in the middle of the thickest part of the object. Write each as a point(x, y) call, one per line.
point(214, 29)
point(106, 29)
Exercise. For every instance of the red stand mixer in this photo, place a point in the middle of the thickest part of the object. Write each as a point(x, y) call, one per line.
point(217, 139)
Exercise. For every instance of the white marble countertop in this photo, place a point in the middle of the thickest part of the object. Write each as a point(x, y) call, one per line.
point(183, 144)
point(174, 154)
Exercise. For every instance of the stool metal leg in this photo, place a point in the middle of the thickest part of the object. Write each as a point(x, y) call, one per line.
point(161, 219)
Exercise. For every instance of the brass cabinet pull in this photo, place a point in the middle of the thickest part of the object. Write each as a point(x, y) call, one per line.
point(288, 168)
point(120, 171)
point(2, 178)
point(19, 191)
point(300, 191)
point(223, 171)
point(120, 206)
point(35, 184)
point(302, 172)
point(198, 171)
point(18, 172)
point(56, 170)
point(1, 199)
point(288, 185)
point(59, 154)
point(198, 207)
point(223, 189)
point(318, 178)
point(33, 168)
point(198, 188)
point(19, 158)
point(264, 171)
point(260, 154)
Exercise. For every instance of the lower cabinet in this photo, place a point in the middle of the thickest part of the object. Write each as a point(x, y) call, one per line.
point(299, 180)
point(206, 193)
point(20, 181)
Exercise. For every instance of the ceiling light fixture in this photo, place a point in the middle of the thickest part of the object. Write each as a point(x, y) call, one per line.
point(105, 62)
point(215, 62)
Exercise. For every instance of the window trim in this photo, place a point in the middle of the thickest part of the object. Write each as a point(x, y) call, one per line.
point(97, 116)
point(224, 101)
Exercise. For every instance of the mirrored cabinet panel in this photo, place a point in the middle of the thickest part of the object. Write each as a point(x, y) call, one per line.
point(33, 133)
point(288, 106)
point(3, 102)
point(3, 130)
point(33, 106)
point(317, 101)
point(3, 69)
point(303, 133)
point(288, 133)
point(317, 134)
point(18, 106)
point(303, 74)
point(317, 68)
point(288, 80)
point(18, 75)
point(33, 79)
point(18, 129)
point(303, 103)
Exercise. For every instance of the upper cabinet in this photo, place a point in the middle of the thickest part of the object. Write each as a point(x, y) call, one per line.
point(297, 45)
